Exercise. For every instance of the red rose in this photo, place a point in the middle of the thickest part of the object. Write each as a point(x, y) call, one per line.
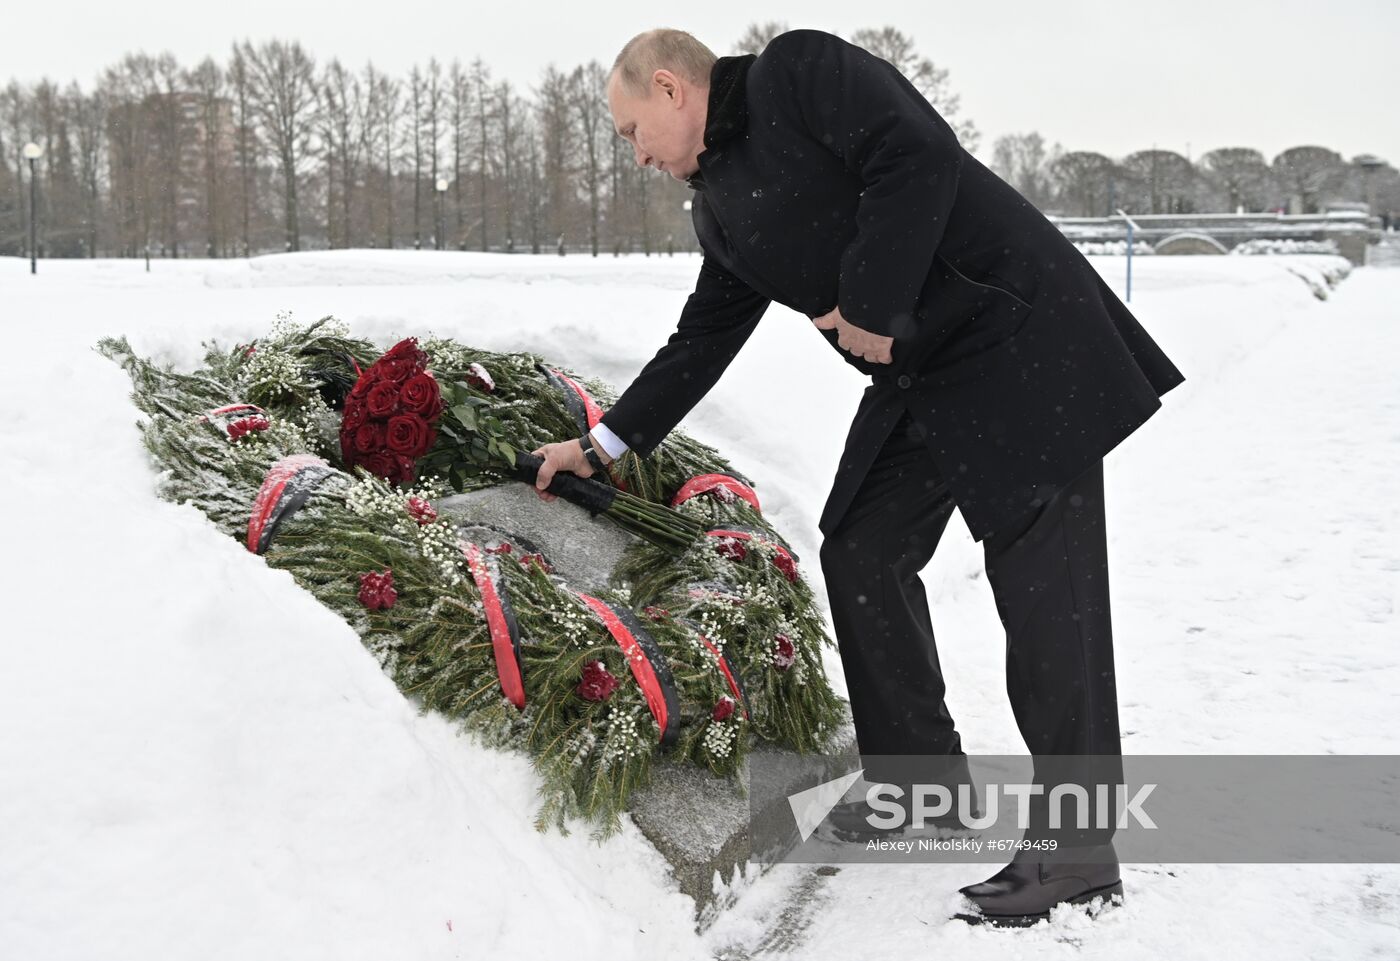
point(420, 396)
point(656, 613)
point(597, 683)
point(404, 469)
point(377, 590)
point(382, 399)
point(538, 561)
point(421, 511)
point(398, 371)
point(380, 464)
point(723, 708)
point(354, 414)
point(406, 349)
point(732, 548)
point(783, 561)
point(407, 435)
point(364, 382)
point(785, 654)
point(502, 548)
point(369, 437)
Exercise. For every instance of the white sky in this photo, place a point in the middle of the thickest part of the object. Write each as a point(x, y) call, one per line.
point(1091, 74)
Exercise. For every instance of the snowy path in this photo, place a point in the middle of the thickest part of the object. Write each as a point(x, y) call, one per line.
point(201, 762)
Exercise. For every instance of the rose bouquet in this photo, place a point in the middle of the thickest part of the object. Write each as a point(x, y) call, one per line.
point(400, 421)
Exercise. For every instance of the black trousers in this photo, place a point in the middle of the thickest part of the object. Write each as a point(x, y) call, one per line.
point(1049, 577)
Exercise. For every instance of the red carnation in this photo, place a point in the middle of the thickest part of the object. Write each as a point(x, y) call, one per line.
point(407, 435)
point(420, 396)
point(382, 399)
point(785, 654)
point(597, 683)
point(502, 548)
point(421, 511)
point(731, 548)
point(723, 708)
point(656, 613)
point(478, 377)
point(246, 425)
point(377, 590)
point(537, 560)
point(783, 561)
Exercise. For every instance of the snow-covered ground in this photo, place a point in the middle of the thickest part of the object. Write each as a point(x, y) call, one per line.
point(199, 761)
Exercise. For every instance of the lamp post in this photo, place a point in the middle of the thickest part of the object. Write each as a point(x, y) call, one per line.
point(441, 190)
point(32, 153)
point(1128, 299)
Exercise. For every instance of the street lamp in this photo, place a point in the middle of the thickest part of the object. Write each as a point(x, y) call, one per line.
point(32, 153)
point(441, 190)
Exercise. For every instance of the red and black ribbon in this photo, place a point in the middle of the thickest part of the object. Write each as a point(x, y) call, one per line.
point(500, 622)
point(647, 662)
point(704, 483)
point(286, 488)
point(581, 406)
point(230, 409)
point(731, 676)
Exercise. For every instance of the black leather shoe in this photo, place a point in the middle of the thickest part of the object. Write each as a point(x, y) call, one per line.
point(1024, 891)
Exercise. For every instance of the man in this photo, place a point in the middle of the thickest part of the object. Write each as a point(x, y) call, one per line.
point(1003, 370)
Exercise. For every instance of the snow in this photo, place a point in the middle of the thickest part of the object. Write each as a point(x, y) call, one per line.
point(201, 761)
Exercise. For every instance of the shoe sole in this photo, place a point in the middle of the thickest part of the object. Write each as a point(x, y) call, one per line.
point(1106, 892)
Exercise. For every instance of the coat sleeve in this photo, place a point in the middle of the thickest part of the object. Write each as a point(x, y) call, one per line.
point(886, 133)
point(715, 322)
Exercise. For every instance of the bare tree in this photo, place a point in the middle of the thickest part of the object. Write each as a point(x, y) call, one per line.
point(241, 85)
point(757, 35)
point(1308, 172)
point(1021, 160)
point(890, 43)
point(590, 107)
point(482, 117)
point(1158, 182)
point(344, 111)
point(285, 100)
point(1087, 180)
point(1240, 175)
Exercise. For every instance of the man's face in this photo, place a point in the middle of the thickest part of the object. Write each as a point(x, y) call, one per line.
point(665, 129)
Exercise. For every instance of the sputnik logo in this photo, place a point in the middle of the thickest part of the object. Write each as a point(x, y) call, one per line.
point(810, 807)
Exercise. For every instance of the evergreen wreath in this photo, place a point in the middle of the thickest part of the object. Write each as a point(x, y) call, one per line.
point(706, 640)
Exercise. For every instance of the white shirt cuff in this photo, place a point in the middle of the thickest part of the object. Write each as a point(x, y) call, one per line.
point(609, 441)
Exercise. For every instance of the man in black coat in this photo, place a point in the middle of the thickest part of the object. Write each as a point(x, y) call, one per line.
point(1003, 369)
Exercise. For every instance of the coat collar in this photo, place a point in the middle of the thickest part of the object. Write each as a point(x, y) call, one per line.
point(726, 113)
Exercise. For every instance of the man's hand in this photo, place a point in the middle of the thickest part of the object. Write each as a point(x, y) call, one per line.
point(566, 456)
point(862, 343)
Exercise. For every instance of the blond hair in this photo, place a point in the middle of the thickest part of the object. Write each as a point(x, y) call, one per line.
point(662, 49)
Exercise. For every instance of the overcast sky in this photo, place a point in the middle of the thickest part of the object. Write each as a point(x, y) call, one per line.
point(1089, 74)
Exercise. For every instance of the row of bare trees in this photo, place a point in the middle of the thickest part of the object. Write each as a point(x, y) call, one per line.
point(269, 150)
point(1299, 180)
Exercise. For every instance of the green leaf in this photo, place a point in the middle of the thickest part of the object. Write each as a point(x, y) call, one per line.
point(465, 414)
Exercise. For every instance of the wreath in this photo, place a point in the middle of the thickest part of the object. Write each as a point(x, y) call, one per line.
point(337, 461)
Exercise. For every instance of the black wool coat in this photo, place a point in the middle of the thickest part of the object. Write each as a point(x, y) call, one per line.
point(828, 180)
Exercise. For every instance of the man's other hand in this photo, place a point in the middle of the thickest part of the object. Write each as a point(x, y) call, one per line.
point(566, 456)
point(862, 343)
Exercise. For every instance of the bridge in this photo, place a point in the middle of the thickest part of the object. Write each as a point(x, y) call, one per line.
point(1353, 231)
